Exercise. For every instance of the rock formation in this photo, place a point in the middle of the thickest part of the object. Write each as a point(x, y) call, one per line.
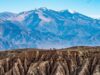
point(70, 61)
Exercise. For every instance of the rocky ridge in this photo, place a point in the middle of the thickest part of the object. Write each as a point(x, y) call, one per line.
point(40, 27)
point(70, 61)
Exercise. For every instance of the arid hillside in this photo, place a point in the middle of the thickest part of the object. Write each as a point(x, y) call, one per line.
point(69, 61)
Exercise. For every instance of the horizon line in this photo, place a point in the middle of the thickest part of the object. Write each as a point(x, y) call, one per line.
point(69, 10)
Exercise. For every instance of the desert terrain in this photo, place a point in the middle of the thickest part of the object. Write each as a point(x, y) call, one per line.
point(70, 61)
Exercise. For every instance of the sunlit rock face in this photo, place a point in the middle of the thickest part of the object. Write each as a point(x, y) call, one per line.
point(72, 61)
point(46, 28)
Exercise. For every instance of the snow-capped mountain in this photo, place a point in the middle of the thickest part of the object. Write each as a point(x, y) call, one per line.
point(46, 28)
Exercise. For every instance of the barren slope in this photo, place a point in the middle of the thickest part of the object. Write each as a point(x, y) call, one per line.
point(71, 61)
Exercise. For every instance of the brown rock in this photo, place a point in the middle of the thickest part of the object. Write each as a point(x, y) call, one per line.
point(71, 61)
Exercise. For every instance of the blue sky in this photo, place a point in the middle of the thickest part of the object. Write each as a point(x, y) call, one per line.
point(87, 7)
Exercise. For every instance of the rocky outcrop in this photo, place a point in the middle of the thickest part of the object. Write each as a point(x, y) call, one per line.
point(72, 61)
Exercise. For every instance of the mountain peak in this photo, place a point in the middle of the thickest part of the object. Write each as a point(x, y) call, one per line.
point(42, 8)
point(47, 28)
point(69, 11)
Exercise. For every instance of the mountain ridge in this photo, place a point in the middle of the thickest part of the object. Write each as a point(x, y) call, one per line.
point(46, 28)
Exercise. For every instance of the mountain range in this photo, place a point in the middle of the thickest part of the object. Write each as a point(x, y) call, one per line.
point(46, 28)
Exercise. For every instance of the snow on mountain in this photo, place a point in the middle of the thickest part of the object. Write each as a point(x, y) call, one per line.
point(43, 18)
point(46, 28)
